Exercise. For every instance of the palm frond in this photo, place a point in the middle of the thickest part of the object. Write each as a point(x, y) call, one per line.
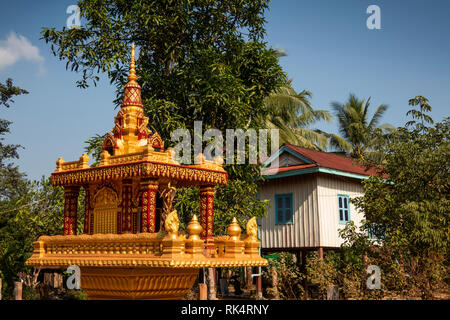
point(377, 116)
point(319, 140)
point(387, 128)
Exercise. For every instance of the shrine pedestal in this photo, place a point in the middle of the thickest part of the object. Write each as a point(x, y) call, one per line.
point(137, 283)
point(144, 265)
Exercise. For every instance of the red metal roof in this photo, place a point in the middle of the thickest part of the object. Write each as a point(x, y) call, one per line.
point(325, 160)
point(290, 168)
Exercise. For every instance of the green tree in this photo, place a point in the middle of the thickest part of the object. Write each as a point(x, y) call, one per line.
point(358, 132)
point(38, 212)
point(11, 179)
point(27, 209)
point(407, 204)
point(198, 60)
point(8, 91)
point(291, 113)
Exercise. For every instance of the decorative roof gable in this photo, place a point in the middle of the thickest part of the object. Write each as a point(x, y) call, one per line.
point(293, 160)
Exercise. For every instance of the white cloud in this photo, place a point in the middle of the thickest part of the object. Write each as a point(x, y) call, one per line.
point(16, 48)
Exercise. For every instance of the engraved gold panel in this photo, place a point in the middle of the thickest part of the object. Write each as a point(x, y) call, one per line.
point(105, 211)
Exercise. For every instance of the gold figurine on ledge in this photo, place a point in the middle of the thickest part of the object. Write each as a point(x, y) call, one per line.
point(128, 201)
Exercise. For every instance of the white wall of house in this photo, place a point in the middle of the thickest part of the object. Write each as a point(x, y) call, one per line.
point(328, 188)
point(315, 206)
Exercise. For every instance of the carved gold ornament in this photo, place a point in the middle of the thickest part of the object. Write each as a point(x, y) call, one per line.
point(172, 223)
point(252, 229)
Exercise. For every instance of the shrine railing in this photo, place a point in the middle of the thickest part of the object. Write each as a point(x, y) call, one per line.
point(62, 165)
point(149, 250)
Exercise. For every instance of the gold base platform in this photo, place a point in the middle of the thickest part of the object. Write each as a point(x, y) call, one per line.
point(137, 283)
point(145, 265)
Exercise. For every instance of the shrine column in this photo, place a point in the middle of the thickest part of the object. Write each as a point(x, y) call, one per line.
point(149, 189)
point(126, 213)
point(88, 214)
point(70, 210)
point(206, 212)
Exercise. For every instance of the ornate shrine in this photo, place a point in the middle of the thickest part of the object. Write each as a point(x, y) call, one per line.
point(131, 247)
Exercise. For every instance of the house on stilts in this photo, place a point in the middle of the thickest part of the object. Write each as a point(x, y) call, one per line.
point(309, 196)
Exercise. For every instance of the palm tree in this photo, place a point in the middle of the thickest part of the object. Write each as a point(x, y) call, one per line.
point(291, 113)
point(358, 133)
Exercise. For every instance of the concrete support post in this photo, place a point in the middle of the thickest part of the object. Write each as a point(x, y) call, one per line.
point(18, 290)
point(211, 283)
point(320, 253)
point(249, 276)
point(203, 291)
point(259, 287)
point(274, 274)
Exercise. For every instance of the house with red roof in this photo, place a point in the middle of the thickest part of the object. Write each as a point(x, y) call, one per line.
point(309, 194)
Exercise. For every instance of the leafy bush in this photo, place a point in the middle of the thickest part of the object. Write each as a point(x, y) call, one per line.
point(290, 278)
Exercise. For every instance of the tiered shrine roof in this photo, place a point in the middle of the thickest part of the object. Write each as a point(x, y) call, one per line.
point(131, 150)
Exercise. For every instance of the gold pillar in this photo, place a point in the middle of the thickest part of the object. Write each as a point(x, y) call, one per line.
point(207, 212)
point(149, 189)
point(70, 210)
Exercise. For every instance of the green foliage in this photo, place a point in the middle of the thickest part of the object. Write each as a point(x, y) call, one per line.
point(38, 212)
point(76, 295)
point(290, 278)
point(12, 182)
point(29, 293)
point(406, 206)
point(8, 91)
point(27, 209)
point(94, 147)
point(321, 272)
point(11, 179)
point(237, 199)
point(192, 55)
point(411, 209)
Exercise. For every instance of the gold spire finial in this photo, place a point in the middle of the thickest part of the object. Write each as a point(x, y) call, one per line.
point(132, 75)
point(132, 90)
point(234, 230)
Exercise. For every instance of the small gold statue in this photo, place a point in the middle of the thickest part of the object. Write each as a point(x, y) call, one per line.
point(252, 229)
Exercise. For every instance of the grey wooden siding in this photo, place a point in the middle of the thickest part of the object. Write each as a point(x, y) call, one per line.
point(304, 232)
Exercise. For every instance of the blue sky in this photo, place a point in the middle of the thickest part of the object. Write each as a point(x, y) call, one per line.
point(330, 52)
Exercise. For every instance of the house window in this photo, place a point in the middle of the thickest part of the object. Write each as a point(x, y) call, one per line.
point(343, 208)
point(371, 232)
point(371, 235)
point(283, 209)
